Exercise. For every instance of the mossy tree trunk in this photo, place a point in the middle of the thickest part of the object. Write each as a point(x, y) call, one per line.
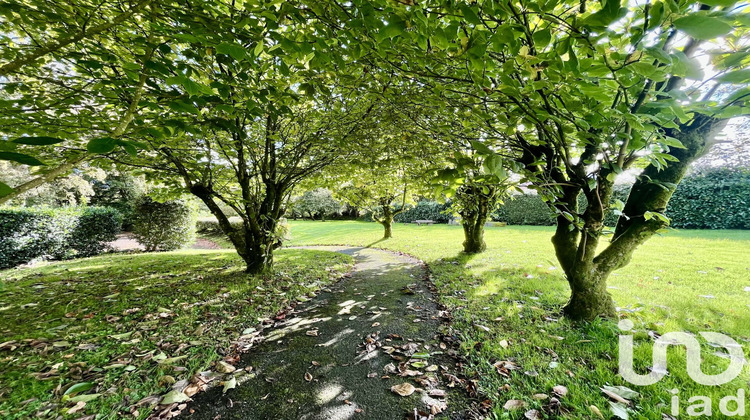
point(578, 235)
point(387, 217)
point(475, 201)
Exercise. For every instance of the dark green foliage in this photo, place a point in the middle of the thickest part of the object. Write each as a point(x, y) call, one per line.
point(713, 199)
point(524, 209)
point(119, 191)
point(28, 234)
point(164, 226)
point(425, 210)
point(95, 226)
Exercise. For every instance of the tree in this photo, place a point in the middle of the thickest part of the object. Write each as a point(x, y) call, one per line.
point(475, 183)
point(317, 202)
point(390, 164)
point(248, 106)
point(578, 92)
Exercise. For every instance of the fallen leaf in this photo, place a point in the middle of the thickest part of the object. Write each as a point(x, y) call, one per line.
point(79, 387)
point(174, 396)
point(619, 410)
point(560, 390)
point(84, 398)
point(503, 344)
point(514, 405)
point(230, 384)
point(540, 396)
point(622, 391)
point(224, 367)
point(78, 407)
point(405, 389)
point(533, 415)
point(594, 409)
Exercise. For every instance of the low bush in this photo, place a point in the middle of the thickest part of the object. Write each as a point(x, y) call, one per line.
point(164, 226)
point(210, 226)
point(27, 234)
point(425, 210)
point(95, 226)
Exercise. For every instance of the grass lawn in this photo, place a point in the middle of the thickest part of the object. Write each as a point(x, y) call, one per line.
point(507, 301)
point(131, 325)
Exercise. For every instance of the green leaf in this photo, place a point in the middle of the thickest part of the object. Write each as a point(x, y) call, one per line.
point(101, 145)
point(542, 38)
point(469, 14)
point(21, 158)
point(5, 189)
point(79, 387)
point(37, 141)
point(701, 26)
point(232, 49)
point(493, 164)
point(481, 148)
point(736, 77)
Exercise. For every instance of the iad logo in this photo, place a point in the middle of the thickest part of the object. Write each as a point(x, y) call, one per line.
point(736, 357)
point(701, 405)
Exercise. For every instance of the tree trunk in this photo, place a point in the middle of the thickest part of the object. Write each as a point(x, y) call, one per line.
point(477, 201)
point(589, 298)
point(387, 228)
point(474, 238)
point(259, 262)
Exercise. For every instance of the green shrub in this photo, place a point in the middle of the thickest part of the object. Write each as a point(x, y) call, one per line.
point(27, 234)
point(210, 226)
point(524, 209)
point(425, 210)
point(164, 226)
point(95, 226)
point(713, 199)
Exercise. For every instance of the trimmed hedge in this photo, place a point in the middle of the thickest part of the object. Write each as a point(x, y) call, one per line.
point(164, 226)
point(524, 209)
point(425, 210)
point(27, 234)
point(714, 199)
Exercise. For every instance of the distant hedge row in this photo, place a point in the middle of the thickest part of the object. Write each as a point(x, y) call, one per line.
point(716, 199)
point(425, 210)
point(27, 234)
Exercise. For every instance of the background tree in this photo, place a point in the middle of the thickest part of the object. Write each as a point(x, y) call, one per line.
point(475, 184)
point(317, 202)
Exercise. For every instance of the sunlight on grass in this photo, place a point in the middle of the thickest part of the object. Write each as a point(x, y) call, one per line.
point(681, 281)
point(104, 319)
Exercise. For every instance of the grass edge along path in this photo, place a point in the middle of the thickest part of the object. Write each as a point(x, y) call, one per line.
point(506, 306)
point(111, 335)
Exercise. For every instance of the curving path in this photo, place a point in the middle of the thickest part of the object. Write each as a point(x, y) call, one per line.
point(330, 358)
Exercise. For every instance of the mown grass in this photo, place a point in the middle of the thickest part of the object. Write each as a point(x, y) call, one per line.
point(682, 281)
point(108, 320)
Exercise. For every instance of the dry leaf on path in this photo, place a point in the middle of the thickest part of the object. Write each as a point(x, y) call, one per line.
point(405, 389)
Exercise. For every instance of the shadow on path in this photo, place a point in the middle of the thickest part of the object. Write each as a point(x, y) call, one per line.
point(329, 374)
